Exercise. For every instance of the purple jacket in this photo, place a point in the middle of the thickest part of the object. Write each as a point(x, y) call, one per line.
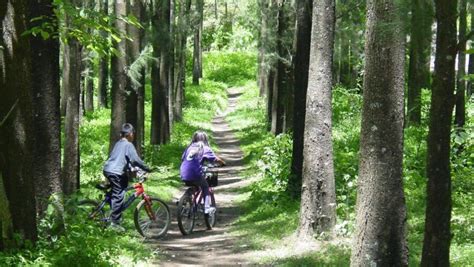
point(192, 159)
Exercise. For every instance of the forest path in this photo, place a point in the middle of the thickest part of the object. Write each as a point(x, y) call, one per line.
point(215, 247)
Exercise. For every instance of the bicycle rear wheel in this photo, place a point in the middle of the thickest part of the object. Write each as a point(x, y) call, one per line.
point(152, 219)
point(211, 219)
point(186, 213)
point(93, 210)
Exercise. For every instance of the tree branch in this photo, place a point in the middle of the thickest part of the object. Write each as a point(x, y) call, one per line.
point(9, 112)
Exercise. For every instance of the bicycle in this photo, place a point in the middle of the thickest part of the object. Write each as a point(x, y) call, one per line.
point(151, 216)
point(191, 204)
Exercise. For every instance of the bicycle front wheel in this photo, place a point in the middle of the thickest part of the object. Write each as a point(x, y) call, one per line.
point(186, 214)
point(93, 211)
point(152, 218)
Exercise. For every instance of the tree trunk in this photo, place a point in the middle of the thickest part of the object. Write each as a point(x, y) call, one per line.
point(197, 49)
point(301, 63)
point(280, 80)
point(103, 66)
point(47, 122)
point(136, 105)
point(262, 68)
point(171, 56)
point(89, 89)
point(437, 237)
point(460, 114)
point(120, 82)
point(160, 113)
point(420, 53)
point(380, 233)
point(17, 131)
point(134, 48)
point(318, 193)
point(184, 8)
point(470, 69)
point(72, 67)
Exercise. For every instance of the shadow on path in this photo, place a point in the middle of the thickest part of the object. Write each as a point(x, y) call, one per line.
point(215, 247)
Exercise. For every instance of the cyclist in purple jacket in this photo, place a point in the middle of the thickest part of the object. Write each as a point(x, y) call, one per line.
point(191, 165)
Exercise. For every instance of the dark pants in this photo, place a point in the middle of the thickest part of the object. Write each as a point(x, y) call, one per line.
point(201, 183)
point(119, 183)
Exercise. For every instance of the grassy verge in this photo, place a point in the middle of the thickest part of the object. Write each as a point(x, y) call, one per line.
point(271, 218)
point(85, 244)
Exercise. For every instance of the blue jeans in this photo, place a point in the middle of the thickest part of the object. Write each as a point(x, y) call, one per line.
point(119, 183)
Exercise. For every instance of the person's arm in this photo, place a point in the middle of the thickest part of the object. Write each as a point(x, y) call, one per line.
point(135, 160)
point(211, 156)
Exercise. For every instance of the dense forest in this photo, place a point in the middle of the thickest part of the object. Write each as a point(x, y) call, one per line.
point(354, 119)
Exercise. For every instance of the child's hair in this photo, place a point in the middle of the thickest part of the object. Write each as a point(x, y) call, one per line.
point(200, 136)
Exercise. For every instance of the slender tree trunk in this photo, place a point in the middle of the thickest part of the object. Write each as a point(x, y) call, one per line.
point(301, 63)
point(133, 53)
point(89, 89)
point(318, 193)
point(136, 105)
point(380, 233)
point(271, 75)
point(72, 67)
point(470, 69)
point(437, 237)
point(184, 8)
point(460, 114)
point(171, 84)
point(47, 122)
point(280, 80)
point(16, 127)
point(262, 68)
point(197, 49)
point(120, 82)
point(420, 53)
point(160, 83)
point(103, 66)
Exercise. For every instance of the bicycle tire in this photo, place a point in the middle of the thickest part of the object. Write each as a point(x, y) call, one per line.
point(91, 207)
point(211, 219)
point(145, 226)
point(186, 214)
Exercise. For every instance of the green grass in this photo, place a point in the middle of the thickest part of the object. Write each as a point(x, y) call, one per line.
point(270, 216)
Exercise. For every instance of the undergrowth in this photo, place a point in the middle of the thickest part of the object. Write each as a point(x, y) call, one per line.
point(271, 216)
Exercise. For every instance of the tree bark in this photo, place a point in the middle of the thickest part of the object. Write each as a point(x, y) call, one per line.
point(103, 66)
point(437, 236)
point(420, 54)
point(16, 127)
point(171, 56)
point(318, 196)
point(470, 69)
point(184, 8)
point(47, 122)
point(160, 113)
point(380, 233)
point(120, 82)
point(72, 67)
point(460, 113)
point(301, 64)
point(197, 49)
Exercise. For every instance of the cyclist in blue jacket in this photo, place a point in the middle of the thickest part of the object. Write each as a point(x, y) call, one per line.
point(121, 159)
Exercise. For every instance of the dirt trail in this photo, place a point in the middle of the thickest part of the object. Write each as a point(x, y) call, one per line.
point(214, 247)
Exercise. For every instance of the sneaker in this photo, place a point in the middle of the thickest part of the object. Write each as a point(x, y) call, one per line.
point(210, 210)
point(117, 227)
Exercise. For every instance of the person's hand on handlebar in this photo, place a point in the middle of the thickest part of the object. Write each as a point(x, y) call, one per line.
point(220, 161)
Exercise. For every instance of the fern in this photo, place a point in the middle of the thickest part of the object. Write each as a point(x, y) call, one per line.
point(134, 71)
